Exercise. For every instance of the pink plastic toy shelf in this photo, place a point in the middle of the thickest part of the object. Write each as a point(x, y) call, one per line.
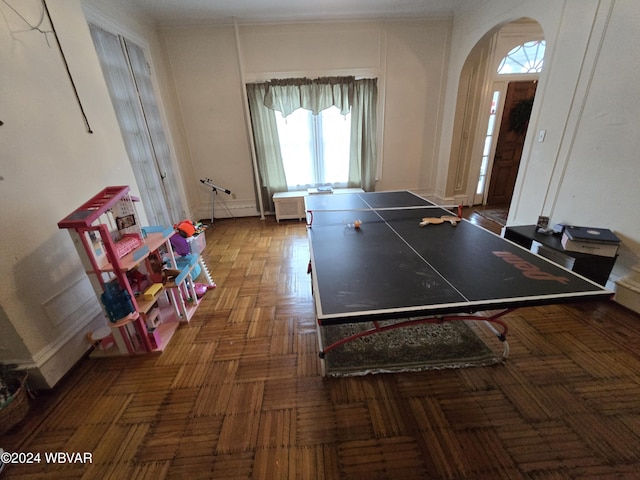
point(113, 245)
point(91, 210)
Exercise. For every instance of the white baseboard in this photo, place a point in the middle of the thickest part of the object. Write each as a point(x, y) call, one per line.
point(52, 362)
point(70, 313)
point(440, 200)
point(228, 209)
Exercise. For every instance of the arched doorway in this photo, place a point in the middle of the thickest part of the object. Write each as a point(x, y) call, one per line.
point(508, 58)
point(525, 60)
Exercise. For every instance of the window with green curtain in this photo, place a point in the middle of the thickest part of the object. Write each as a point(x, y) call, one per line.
point(316, 132)
point(315, 148)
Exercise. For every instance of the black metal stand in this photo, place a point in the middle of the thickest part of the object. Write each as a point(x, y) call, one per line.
point(214, 192)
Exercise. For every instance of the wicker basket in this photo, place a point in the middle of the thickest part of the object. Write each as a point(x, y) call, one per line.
point(17, 410)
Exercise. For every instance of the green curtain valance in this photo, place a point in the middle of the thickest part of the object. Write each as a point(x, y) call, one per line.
point(287, 95)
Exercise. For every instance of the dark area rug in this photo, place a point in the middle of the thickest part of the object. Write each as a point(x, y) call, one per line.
point(498, 215)
point(429, 346)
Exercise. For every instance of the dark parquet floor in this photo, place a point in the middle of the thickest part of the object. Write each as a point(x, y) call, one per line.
point(238, 393)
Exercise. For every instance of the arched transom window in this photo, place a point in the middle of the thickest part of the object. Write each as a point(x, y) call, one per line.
point(525, 58)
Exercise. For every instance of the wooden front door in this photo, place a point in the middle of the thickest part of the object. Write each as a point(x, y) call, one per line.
point(513, 129)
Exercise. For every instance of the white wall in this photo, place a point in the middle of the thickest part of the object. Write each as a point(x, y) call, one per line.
point(49, 165)
point(204, 69)
point(586, 170)
point(408, 57)
point(416, 59)
point(603, 170)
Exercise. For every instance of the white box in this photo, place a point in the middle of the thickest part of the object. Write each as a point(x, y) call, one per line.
point(197, 243)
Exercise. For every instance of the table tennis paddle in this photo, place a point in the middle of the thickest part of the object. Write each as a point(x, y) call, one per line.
point(430, 221)
point(451, 219)
point(435, 221)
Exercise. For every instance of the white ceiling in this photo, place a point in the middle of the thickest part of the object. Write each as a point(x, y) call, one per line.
point(193, 12)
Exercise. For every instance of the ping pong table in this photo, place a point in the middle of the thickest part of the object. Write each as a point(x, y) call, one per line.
point(371, 260)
